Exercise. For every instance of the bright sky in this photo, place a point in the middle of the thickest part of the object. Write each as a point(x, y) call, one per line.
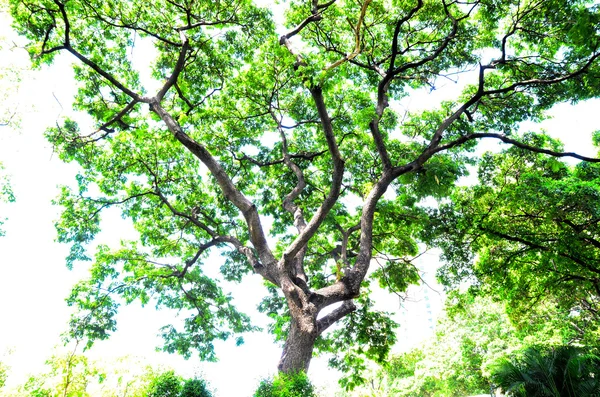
point(34, 280)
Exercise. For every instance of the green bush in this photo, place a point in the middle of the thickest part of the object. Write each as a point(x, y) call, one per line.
point(166, 384)
point(559, 371)
point(286, 385)
point(195, 388)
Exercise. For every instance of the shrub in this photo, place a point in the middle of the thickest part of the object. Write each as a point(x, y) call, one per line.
point(286, 385)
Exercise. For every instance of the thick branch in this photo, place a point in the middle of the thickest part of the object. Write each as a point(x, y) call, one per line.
point(116, 118)
point(516, 143)
point(177, 70)
point(336, 179)
point(326, 321)
point(248, 209)
point(288, 201)
point(399, 24)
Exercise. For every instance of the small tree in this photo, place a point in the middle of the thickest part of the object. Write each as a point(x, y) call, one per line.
point(195, 388)
point(166, 384)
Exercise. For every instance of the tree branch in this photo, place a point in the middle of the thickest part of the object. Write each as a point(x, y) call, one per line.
point(516, 143)
point(178, 68)
point(326, 321)
point(248, 209)
point(357, 38)
point(336, 182)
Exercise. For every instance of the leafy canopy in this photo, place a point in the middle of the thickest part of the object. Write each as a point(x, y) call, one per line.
point(527, 234)
point(238, 127)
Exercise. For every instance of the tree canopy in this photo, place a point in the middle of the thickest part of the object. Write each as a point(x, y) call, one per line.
point(527, 234)
point(289, 153)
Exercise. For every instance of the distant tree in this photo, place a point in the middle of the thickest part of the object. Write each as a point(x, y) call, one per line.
point(305, 129)
point(67, 376)
point(562, 371)
point(471, 335)
point(527, 234)
point(74, 375)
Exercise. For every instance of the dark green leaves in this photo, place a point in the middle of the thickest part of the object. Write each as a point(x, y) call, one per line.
point(532, 223)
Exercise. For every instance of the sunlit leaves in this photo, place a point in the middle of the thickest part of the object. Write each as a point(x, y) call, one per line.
point(248, 103)
point(363, 334)
point(532, 222)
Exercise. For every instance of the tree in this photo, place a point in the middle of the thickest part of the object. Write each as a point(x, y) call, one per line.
point(562, 371)
point(68, 376)
point(472, 334)
point(166, 384)
point(75, 375)
point(532, 225)
point(195, 388)
point(239, 125)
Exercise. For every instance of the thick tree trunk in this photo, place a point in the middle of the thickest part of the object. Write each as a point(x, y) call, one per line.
point(298, 348)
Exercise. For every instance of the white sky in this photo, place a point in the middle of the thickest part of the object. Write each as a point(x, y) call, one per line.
point(34, 280)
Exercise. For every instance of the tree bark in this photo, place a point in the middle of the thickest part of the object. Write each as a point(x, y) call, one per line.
point(299, 345)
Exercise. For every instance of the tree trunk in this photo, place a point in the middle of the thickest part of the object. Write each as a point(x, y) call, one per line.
point(299, 345)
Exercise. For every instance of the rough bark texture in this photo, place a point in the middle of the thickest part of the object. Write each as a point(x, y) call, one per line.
point(298, 348)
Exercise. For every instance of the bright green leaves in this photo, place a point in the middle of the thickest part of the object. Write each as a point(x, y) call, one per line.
point(363, 334)
point(357, 40)
point(130, 275)
point(286, 385)
point(78, 225)
point(396, 275)
point(532, 223)
point(470, 336)
point(275, 307)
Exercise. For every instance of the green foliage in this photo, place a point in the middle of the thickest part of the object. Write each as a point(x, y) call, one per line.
point(364, 334)
point(526, 235)
point(286, 385)
point(247, 124)
point(195, 388)
point(6, 193)
point(74, 375)
point(4, 370)
point(68, 375)
point(470, 336)
point(559, 371)
point(166, 384)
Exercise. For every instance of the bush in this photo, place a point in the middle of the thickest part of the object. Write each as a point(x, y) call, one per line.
point(166, 384)
point(195, 388)
point(559, 371)
point(286, 385)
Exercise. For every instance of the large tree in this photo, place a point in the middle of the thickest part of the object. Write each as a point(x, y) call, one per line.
point(238, 125)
